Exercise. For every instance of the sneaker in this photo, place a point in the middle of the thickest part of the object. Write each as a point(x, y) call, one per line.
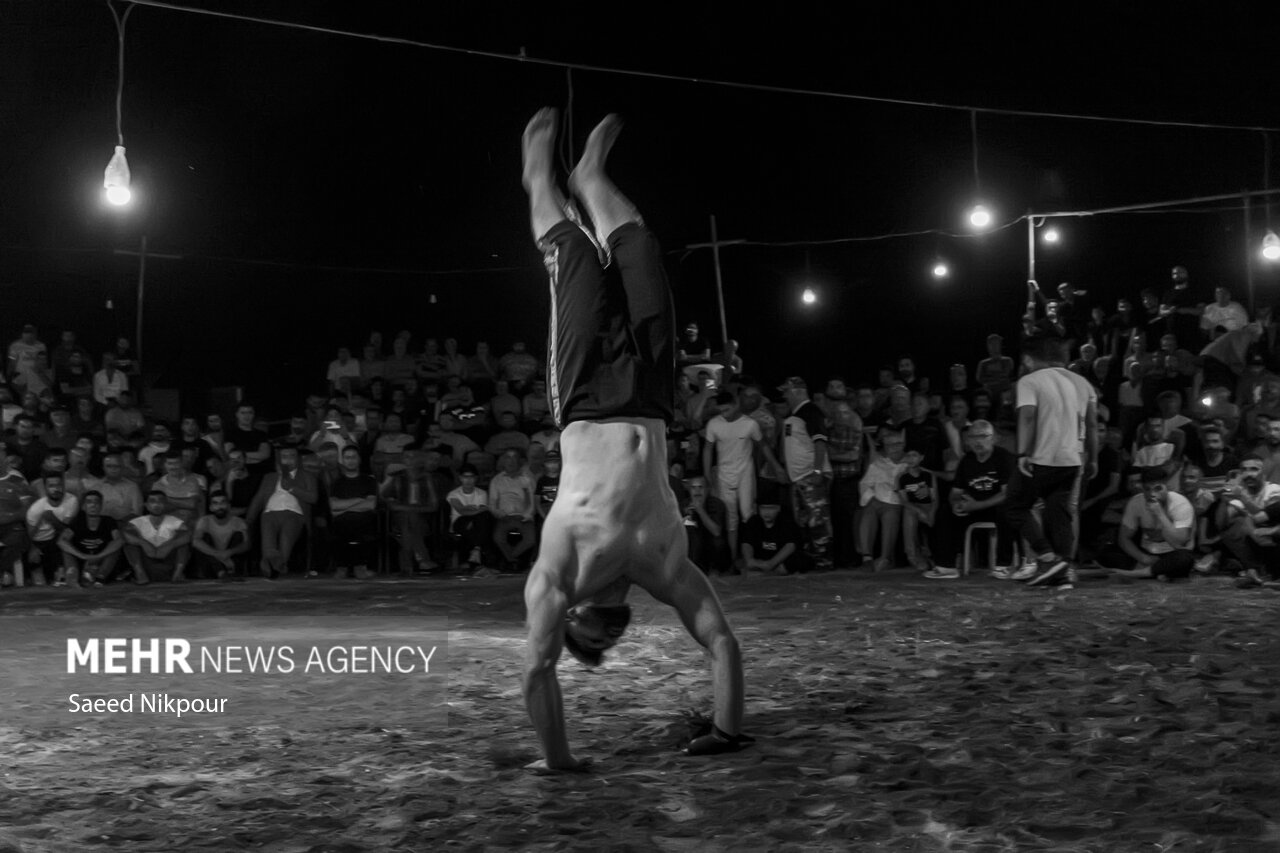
point(1206, 564)
point(485, 572)
point(1025, 573)
point(474, 557)
point(942, 573)
point(1048, 570)
point(1001, 573)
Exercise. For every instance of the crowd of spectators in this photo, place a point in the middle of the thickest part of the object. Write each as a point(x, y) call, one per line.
point(419, 458)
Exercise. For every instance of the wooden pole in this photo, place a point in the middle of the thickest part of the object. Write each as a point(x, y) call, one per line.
point(142, 283)
point(715, 254)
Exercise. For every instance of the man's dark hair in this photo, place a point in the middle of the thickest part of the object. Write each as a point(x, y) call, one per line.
point(614, 619)
point(24, 417)
point(92, 493)
point(1154, 474)
point(1045, 348)
point(52, 475)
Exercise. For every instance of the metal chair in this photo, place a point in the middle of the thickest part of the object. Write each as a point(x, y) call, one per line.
point(993, 541)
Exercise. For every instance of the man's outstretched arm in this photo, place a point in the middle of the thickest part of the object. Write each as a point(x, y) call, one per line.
point(547, 607)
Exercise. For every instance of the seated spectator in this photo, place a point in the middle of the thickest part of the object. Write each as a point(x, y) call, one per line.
point(705, 519)
point(770, 540)
point(1223, 311)
point(77, 480)
point(343, 375)
point(90, 545)
point(47, 517)
point(1217, 462)
point(518, 367)
point(1268, 449)
point(16, 496)
point(55, 462)
point(25, 450)
point(483, 370)
point(372, 366)
point(410, 492)
point(881, 505)
point(469, 517)
point(22, 354)
point(335, 430)
point(1247, 515)
point(121, 497)
point(239, 484)
point(1167, 521)
point(508, 436)
point(512, 504)
point(125, 418)
point(1105, 485)
point(353, 508)
point(503, 401)
point(109, 381)
point(907, 376)
point(60, 434)
point(431, 365)
point(150, 456)
point(393, 440)
point(547, 485)
point(468, 418)
point(8, 408)
point(39, 377)
point(1154, 451)
point(298, 436)
point(919, 496)
point(398, 366)
point(76, 379)
point(125, 358)
point(221, 542)
point(978, 489)
point(157, 545)
point(455, 363)
point(283, 503)
point(86, 420)
point(730, 363)
point(185, 491)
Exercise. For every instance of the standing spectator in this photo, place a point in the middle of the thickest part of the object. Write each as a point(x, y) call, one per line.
point(126, 360)
point(804, 446)
point(47, 517)
point(1178, 308)
point(343, 375)
point(907, 376)
point(353, 506)
point(87, 420)
point(733, 441)
point(411, 495)
point(431, 365)
point(76, 378)
point(247, 437)
point(692, 349)
point(157, 544)
point(1057, 443)
point(469, 516)
point(220, 542)
point(995, 373)
point(22, 356)
point(90, 545)
point(845, 452)
point(503, 401)
point(66, 348)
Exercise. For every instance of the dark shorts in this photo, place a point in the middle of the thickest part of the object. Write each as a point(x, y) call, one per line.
point(611, 342)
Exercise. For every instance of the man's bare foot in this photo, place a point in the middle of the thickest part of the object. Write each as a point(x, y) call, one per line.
point(546, 201)
point(608, 208)
point(599, 144)
point(538, 147)
point(541, 767)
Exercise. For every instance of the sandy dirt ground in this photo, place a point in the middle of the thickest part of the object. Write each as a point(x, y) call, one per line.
point(891, 712)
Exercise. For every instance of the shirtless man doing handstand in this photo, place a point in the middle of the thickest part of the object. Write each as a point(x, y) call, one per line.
point(610, 383)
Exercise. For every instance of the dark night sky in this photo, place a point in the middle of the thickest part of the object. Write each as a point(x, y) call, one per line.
point(255, 142)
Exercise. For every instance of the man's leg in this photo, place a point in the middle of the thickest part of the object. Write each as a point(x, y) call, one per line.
point(890, 526)
point(1060, 509)
point(133, 553)
point(546, 201)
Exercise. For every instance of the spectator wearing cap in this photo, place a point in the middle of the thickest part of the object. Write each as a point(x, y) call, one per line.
point(770, 540)
point(804, 449)
point(693, 348)
point(23, 354)
point(469, 517)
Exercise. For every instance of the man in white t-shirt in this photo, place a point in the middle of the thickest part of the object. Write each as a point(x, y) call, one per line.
point(469, 517)
point(1057, 444)
point(46, 519)
point(23, 355)
point(1166, 520)
point(734, 438)
point(157, 543)
point(1249, 517)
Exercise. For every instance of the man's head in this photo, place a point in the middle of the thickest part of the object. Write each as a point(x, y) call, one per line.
point(1212, 440)
point(1169, 403)
point(794, 390)
point(54, 460)
point(160, 434)
point(995, 343)
point(1273, 432)
point(60, 418)
point(54, 486)
point(1251, 472)
point(894, 445)
point(173, 465)
point(959, 375)
point(919, 406)
point(1179, 276)
point(697, 486)
point(1155, 487)
point(468, 474)
point(958, 409)
point(156, 502)
point(727, 404)
point(836, 389)
point(219, 505)
point(1150, 301)
point(691, 331)
point(551, 462)
point(29, 334)
point(510, 461)
point(350, 459)
point(592, 629)
point(244, 416)
point(1222, 296)
point(906, 367)
point(25, 426)
point(982, 438)
point(507, 420)
point(1191, 475)
point(912, 458)
point(91, 503)
point(288, 458)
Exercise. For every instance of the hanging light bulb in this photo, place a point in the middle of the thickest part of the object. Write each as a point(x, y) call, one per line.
point(941, 270)
point(979, 216)
point(808, 297)
point(1051, 235)
point(116, 178)
point(1271, 246)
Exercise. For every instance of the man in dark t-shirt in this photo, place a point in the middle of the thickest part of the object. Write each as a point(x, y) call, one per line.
point(91, 543)
point(548, 485)
point(254, 442)
point(353, 502)
point(770, 541)
point(977, 495)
